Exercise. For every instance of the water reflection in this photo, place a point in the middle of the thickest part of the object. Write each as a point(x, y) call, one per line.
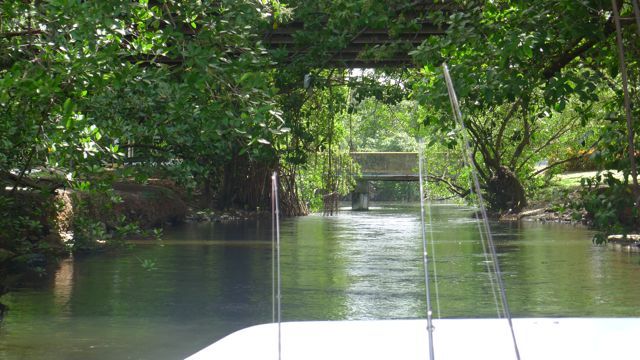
point(212, 279)
point(63, 284)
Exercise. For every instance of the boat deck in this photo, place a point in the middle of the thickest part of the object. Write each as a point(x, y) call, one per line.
point(538, 338)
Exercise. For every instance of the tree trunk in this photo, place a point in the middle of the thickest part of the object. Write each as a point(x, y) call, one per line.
point(505, 192)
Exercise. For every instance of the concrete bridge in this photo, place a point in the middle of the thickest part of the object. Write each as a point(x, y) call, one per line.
point(381, 166)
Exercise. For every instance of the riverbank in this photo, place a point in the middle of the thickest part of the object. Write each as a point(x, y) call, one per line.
point(66, 221)
point(39, 229)
point(628, 243)
point(196, 215)
point(555, 202)
point(548, 214)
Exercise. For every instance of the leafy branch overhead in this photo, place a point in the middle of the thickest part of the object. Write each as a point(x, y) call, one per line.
point(143, 75)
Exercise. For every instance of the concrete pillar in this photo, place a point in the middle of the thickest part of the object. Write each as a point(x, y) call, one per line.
point(360, 196)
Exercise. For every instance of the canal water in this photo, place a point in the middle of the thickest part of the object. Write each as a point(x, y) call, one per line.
point(166, 300)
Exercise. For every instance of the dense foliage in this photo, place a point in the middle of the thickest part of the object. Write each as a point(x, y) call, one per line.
point(527, 74)
point(97, 92)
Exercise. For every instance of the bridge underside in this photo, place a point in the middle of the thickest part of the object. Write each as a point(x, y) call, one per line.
point(381, 166)
point(369, 48)
point(404, 177)
point(381, 45)
point(360, 194)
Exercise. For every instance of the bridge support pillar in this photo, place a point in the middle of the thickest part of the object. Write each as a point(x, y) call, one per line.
point(360, 196)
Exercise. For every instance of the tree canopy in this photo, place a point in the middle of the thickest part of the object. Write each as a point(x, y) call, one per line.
point(517, 66)
point(84, 82)
point(219, 93)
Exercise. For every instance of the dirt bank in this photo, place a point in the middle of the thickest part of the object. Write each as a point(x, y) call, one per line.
point(37, 229)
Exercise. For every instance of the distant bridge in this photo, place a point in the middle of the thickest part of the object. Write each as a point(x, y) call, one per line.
point(381, 166)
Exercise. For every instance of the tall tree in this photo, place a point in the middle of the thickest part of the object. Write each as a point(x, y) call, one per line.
point(514, 63)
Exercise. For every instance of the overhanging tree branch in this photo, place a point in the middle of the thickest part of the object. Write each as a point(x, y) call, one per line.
point(11, 34)
point(551, 139)
point(526, 137)
point(27, 182)
point(557, 163)
point(458, 190)
point(505, 121)
point(482, 145)
point(585, 45)
point(481, 172)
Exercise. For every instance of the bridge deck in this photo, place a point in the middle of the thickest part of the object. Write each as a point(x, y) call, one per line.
point(388, 177)
point(387, 166)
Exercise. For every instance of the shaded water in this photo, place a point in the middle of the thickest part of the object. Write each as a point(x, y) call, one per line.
point(212, 279)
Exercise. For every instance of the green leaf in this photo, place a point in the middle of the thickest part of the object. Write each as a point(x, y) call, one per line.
point(67, 112)
point(559, 106)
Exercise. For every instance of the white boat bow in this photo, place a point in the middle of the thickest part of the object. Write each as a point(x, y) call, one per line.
point(538, 339)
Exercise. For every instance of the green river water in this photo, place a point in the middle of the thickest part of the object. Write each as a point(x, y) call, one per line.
point(212, 279)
